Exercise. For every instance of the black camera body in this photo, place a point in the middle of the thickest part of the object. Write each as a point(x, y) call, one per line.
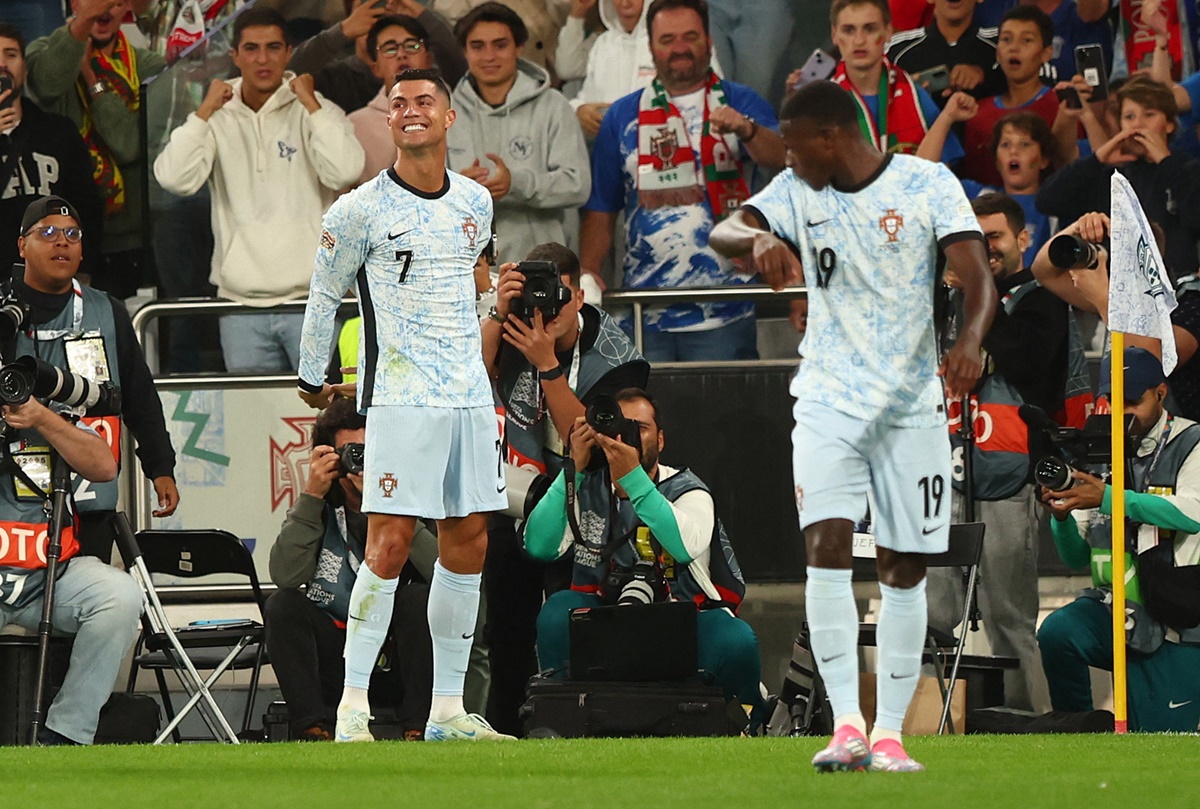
point(644, 583)
point(1069, 252)
point(543, 290)
point(605, 417)
point(14, 312)
point(1061, 450)
point(351, 457)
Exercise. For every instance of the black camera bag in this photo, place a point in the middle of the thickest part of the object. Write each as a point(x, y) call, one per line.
point(1170, 593)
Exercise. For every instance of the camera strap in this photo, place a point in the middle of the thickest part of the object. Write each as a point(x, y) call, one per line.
point(76, 318)
point(1158, 450)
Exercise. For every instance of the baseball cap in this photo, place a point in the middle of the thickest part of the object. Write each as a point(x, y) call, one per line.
point(42, 207)
point(1143, 371)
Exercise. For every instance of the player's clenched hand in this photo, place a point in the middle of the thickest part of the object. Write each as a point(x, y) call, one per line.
point(320, 400)
point(532, 340)
point(775, 261)
point(961, 368)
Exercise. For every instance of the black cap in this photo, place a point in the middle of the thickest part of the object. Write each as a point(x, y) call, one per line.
point(1143, 371)
point(42, 207)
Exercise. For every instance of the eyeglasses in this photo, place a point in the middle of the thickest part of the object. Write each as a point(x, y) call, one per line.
point(392, 49)
point(49, 233)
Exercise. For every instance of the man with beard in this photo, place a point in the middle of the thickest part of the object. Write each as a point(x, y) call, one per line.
point(87, 71)
point(40, 154)
point(666, 516)
point(676, 158)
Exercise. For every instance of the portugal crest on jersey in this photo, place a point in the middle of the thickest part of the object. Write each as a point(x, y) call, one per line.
point(890, 223)
point(470, 230)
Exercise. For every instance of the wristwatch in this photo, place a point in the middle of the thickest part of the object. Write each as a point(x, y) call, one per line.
point(753, 129)
point(494, 315)
point(552, 374)
point(98, 88)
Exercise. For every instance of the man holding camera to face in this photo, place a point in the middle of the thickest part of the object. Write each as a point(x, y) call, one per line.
point(320, 546)
point(550, 355)
point(646, 527)
point(1163, 551)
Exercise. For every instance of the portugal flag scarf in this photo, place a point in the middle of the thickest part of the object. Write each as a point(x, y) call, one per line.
point(121, 74)
point(900, 124)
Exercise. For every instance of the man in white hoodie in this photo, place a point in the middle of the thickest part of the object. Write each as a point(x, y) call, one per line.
point(275, 153)
point(517, 136)
point(618, 61)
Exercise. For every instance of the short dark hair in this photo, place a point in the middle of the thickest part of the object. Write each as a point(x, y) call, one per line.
point(563, 257)
point(1146, 92)
point(342, 414)
point(492, 12)
point(822, 102)
point(406, 22)
point(698, 6)
point(1034, 126)
point(996, 202)
point(838, 6)
point(632, 394)
point(426, 74)
point(256, 17)
point(1034, 15)
point(10, 31)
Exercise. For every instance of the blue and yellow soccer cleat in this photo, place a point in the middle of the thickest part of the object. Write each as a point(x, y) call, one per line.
point(469, 727)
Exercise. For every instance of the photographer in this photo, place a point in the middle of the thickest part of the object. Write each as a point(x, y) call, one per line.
point(1162, 533)
point(97, 604)
point(547, 368)
point(320, 546)
point(86, 331)
point(652, 511)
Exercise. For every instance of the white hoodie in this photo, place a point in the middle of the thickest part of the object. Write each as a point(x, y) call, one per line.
point(272, 174)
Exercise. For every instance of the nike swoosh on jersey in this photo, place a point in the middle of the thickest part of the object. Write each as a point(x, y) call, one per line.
point(812, 224)
point(833, 657)
point(398, 235)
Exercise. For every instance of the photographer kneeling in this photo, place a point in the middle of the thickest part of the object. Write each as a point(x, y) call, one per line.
point(1163, 537)
point(688, 548)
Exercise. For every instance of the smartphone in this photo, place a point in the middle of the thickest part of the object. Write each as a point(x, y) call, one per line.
point(6, 83)
point(934, 79)
point(1089, 63)
point(1071, 96)
point(818, 67)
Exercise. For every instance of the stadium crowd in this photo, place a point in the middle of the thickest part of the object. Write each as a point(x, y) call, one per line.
point(612, 141)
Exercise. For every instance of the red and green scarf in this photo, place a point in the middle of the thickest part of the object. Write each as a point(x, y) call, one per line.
point(903, 121)
point(667, 175)
point(119, 72)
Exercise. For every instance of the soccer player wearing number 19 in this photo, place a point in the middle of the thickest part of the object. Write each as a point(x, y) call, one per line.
point(869, 406)
point(431, 444)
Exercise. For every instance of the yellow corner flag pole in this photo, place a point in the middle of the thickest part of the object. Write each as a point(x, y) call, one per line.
point(1117, 405)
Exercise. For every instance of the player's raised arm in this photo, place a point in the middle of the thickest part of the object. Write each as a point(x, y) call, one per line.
point(744, 232)
point(963, 363)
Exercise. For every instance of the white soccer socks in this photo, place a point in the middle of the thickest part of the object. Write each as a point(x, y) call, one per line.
point(903, 618)
point(453, 608)
point(833, 632)
point(370, 617)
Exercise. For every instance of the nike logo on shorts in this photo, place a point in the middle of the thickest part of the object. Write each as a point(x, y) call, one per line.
point(927, 531)
point(468, 637)
point(834, 657)
point(1173, 704)
point(896, 676)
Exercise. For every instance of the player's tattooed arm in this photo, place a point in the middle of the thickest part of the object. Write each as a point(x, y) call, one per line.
point(743, 234)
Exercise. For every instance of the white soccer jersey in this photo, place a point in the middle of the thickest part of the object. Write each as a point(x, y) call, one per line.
point(869, 257)
point(414, 255)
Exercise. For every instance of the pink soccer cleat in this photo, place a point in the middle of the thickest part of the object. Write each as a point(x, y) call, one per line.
point(848, 750)
point(888, 755)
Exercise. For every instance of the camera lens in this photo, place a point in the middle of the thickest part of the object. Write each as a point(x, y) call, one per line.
point(1053, 473)
point(16, 386)
point(1069, 252)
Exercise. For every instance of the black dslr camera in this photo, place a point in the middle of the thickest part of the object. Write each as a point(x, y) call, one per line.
point(1069, 252)
point(351, 459)
point(543, 289)
point(13, 311)
point(644, 583)
point(605, 417)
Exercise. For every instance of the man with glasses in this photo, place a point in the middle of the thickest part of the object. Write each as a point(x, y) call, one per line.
point(343, 66)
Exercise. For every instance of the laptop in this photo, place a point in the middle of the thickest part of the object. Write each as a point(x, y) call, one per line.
point(634, 642)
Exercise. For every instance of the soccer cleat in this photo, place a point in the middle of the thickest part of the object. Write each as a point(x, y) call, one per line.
point(887, 755)
point(352, 726)
point(467, 727)
point(847, 750)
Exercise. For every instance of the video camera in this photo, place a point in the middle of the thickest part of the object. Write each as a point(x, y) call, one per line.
point(543, 289)
point(605, 417)
point(1069, 252)
point(1070, 448)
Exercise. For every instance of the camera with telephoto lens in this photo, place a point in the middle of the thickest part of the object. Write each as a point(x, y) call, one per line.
point(543, 289)
point(351, 458)
point(1061, 450)
point(644, 583)
point(1053, 473)
point(28, 376)
point(1069, 252)
point(605, 417)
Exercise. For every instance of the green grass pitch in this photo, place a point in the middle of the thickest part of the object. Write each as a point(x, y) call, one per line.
point(1132, 772)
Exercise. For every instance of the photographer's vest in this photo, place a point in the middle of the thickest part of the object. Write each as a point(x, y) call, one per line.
point(87, 317)
point(1157, 473)
point(527, 419)
point(337, 565)
point(25, 527)
point(598, 529)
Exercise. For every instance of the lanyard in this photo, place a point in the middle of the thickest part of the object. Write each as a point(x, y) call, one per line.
point(76, 319)
point(1162, 442)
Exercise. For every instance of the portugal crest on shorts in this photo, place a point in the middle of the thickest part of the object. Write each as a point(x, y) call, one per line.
point(890, 223)
point(388, 484)
point(470, 230)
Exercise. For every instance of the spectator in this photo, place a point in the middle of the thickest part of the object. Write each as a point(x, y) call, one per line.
point(579, 32)
point(394, 44)
point(1025, 37)
point(274, 153)
point(87, 71)
point(666, 516)
point(1026, 347)
point(542, 20)
point(1075, 23)
point(97, 604)
point(954, 41)
point(618, 61)
point(676, 158)
point(1167, 184)
point(516, 135)
point(1021, 147)
point(350, 81)
point(43, 154)
point(861, 29)
point(1161, 498)
point(749, 37)
point(547, 371)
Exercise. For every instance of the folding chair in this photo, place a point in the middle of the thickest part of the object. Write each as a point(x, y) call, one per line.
point(215, 648)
